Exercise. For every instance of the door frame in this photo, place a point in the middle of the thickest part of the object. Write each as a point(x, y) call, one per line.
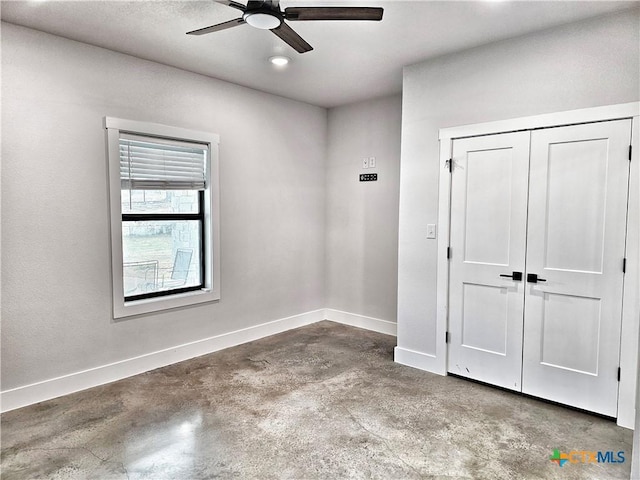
point(631, 301)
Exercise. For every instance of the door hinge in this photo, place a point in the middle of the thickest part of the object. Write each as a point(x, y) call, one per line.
point(624, 265)
point(448, 253)
point(446, 337)
point(449, 165)
point(630, 148)
point(618, 373)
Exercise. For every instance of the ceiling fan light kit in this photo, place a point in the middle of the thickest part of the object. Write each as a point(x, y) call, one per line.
point(262, 20)
point(266, 15)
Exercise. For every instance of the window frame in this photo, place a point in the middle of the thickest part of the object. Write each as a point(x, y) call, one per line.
point(209, 204)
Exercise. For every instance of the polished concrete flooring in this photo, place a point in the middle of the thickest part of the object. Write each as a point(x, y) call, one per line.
point(321, 402)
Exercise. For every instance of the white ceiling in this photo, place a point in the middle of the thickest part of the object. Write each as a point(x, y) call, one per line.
point(351, 61)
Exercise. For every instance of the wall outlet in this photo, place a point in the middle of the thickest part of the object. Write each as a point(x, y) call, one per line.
point(431, 230)
point(365, 162)
point(372, 162)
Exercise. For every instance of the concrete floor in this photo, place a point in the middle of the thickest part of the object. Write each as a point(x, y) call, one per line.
point(324, 401)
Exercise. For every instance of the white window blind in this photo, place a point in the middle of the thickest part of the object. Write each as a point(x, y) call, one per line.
point(151, 164)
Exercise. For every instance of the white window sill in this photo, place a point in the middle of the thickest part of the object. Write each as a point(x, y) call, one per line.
point(156, 304)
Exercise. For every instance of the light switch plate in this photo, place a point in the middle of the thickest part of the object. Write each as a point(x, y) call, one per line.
point(431, 230)
point(365, 162)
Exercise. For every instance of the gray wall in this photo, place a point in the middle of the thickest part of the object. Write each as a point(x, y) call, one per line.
point(577, 66)
point(56, 298)
point(362, 217)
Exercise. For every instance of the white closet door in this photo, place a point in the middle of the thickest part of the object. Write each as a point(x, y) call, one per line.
point(488, 237)
point(576, 240)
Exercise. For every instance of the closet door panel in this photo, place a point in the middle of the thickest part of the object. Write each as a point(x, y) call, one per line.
point(488, 233)
point(575, 245)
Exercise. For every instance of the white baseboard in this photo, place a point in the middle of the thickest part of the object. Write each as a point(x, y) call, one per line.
point(361, 321)
point(414, 359)
point(74, 382)
point(93, 377)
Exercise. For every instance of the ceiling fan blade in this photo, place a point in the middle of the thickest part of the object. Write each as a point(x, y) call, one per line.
point(217, 27)
point(333, 13)
point(286, 33)
point(233, 4)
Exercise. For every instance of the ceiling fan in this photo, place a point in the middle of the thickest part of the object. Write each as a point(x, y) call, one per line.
point(267, 15)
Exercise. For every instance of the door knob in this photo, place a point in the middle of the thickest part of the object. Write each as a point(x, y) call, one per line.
point(517, 276)
point(533, 278)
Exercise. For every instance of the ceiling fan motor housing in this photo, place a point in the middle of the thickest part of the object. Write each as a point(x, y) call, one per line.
point(262, 15)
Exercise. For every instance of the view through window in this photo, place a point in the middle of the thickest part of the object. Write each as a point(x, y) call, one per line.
point(161, 241)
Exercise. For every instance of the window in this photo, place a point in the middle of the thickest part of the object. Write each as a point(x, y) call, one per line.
point(164, 216)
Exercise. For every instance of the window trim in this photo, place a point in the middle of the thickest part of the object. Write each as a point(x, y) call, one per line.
point(211, 231)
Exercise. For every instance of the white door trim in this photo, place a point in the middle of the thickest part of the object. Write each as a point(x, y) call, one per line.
point(631, 302)
point(570, 117)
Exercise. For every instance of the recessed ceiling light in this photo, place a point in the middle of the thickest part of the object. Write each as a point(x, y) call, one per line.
point(279, 60)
